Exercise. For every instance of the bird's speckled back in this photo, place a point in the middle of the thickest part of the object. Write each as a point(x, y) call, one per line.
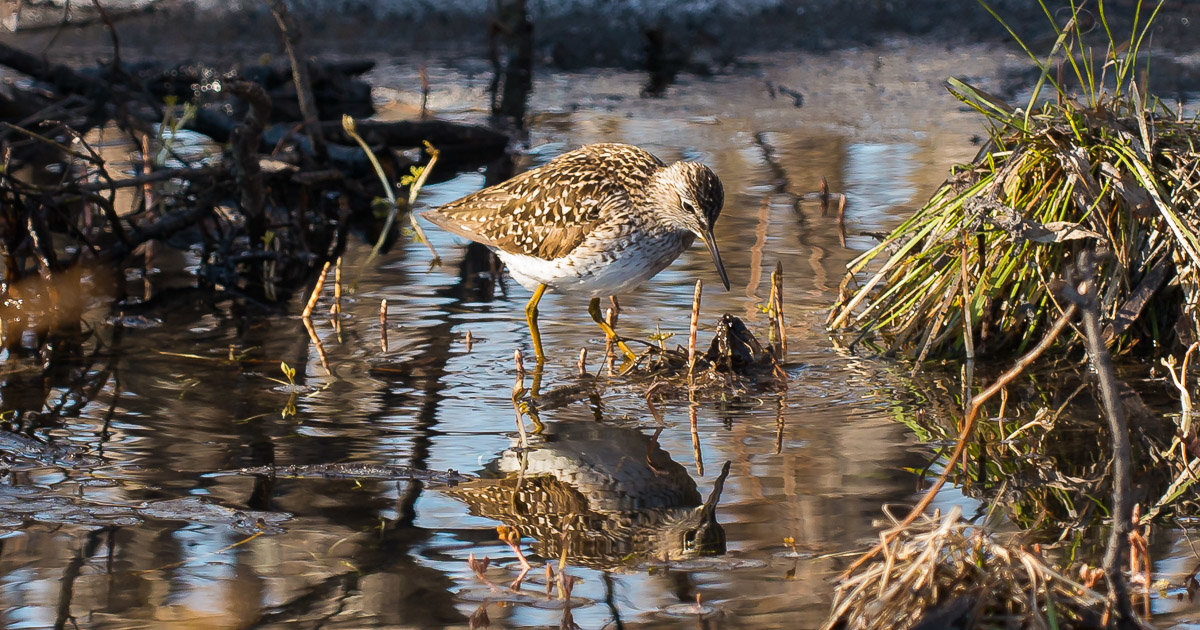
point(548, 211)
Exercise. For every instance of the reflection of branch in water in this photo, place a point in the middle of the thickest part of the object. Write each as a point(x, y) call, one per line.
point(780, 184)
point(71, 572)
point(699, 457)
point(610, 599)
point(779, 424)
point(756, 254)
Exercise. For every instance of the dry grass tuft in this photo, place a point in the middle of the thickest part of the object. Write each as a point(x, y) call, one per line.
point(945, 572)
point(1110, 169)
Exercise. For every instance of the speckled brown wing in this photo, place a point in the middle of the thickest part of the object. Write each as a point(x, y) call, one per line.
point(548, 211)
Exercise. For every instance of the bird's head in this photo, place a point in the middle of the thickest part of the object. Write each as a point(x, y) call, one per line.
point(693, 199)
point(697, 532)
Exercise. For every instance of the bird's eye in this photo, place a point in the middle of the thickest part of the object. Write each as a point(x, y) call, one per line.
point(689, 540)
point(689, 206)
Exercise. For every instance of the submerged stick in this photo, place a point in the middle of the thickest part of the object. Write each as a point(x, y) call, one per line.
point(383, 340)
point(779, 425)
point(968, 425)
point(696, 440)
point(692, 325)
point(842, 219)
point(519, 359)
point(337, 289)
point(823, 189)
point(517, 391)
point(610, 318)
point(316, 293)
point(312, 334)
point(777, 300)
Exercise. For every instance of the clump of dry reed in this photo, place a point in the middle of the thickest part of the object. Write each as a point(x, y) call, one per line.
point(943, 572)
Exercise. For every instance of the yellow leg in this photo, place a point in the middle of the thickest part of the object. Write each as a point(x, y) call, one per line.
point(594, 311)
point(531, 317)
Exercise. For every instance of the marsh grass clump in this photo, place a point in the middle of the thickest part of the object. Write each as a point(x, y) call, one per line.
point(943, 572)
point(1107, 168)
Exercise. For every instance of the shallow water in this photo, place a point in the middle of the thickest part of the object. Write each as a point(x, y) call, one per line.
point(158, 531)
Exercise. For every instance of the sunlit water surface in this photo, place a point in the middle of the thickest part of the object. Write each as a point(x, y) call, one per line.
point(158, 536)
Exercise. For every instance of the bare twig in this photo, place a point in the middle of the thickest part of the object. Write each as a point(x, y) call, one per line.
point(308, 106)
point(112, 33)
point(245, 140)
point(968, 325)
point(1122, 512)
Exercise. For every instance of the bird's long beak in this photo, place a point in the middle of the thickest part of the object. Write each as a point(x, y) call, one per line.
point(709, 508)
point(708, 239)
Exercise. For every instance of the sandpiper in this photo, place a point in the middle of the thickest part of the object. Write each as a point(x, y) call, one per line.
point(596, 221)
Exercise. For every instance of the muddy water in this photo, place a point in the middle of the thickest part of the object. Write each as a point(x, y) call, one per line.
point(156, 530)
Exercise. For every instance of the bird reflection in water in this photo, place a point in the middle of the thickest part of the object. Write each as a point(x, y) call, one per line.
point(602, 496)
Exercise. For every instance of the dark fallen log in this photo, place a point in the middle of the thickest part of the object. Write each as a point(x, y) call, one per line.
point(166, 226)
point(336, 86)
point(16, 104)
point(32, 17)
point(459, 144)
point(189, 174)
point(244, 153)
point(65, 80)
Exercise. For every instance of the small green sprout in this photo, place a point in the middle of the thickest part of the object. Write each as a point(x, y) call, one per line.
point(289, 372)
point(415, 173)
